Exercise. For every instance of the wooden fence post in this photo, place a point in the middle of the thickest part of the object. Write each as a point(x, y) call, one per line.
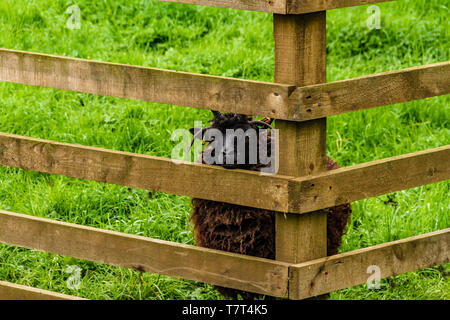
point(300, 59)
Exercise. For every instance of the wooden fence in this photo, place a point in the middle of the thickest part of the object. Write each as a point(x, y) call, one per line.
point(300, 100)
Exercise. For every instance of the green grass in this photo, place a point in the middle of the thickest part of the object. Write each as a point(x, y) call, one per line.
point(220, 42)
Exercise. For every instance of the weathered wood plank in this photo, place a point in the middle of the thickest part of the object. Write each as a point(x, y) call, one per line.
point(280, 6)
point(274, 6)
point(148, 84)
point(272, 192)
point(371, 179)
point(145, 172)
point(280, 101)
point(348, 269)
point(145, 254)
point(300, 58)
point(12, 291)
point(370, 91)
point(305, 6)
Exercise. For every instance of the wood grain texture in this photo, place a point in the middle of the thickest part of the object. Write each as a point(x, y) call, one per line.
point(300, 59)
point(349, 269)
point(371, 179)
point(305, 6)
point(280, 6)
point(145, 254)
point(370, 91)
point(148, 84)
point(145, 172)
point(307, 234)
point(12, 291)
point(272, 192)
point(281, 100)
point(274, 6)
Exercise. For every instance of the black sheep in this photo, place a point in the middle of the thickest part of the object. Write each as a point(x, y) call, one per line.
point(246, 230)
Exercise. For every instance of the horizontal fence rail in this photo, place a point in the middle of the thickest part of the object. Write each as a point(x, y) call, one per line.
point(280, 101)
point(272, 192)
point(273, 6)
point(371, 179)
point(280, 6)
point(295, 281)
point(324, 100)
point(12, 291)
point(145, 172)
point(306, 6)
point(145, 254)
point(141, 83)
point(348, 269)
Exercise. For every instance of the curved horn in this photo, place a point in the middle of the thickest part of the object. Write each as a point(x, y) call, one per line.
point(262, 123)
point(216, 113)
point(196, 136)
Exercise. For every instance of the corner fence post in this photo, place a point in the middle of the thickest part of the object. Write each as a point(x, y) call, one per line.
point(300, 59)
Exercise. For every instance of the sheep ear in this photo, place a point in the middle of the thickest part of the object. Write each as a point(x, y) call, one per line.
point(216, 114)
point(261, 123)
point(196, 132)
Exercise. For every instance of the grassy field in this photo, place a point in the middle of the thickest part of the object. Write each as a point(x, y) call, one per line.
point(220, 42)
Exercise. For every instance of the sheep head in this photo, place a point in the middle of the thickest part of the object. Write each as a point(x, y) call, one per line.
point(235, 141)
